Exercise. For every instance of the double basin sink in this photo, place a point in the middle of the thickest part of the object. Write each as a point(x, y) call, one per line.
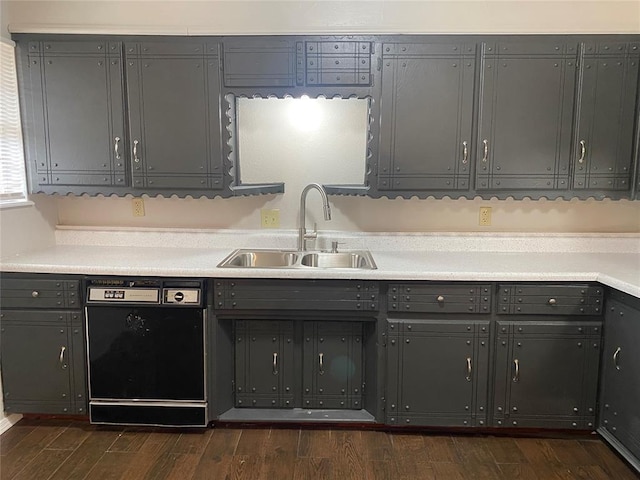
point(254, 258)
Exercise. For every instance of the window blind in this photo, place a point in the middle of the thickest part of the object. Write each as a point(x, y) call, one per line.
point(12, 174)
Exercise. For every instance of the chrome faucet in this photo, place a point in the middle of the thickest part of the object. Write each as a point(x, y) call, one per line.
point(303, 236)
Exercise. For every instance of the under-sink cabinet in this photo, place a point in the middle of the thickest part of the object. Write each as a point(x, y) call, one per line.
point(299, 344)
point(42, 349)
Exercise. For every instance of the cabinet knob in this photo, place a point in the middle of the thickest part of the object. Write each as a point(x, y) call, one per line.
point(35, 294)
point(440, 298)
point(552, 301)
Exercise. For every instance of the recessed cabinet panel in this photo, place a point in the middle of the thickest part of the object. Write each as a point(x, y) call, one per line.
point(332, 365)
point(172, 129)
point(426, 118)
point(525, 122)
point(546, 374)
point(83, 115)
point(264, 364)
point(603, 146)
point(253, 63)
point(437, 372)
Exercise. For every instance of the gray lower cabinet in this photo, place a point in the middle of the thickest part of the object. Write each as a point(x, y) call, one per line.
point(426, 117)
point(174, 115)
point(332, 365)
point(605, 113)
point(42, 346)
point(437, 372)
point(619, 420)
point(73, 115)
point(264, 363)
point(547, 355)
point(525, 116)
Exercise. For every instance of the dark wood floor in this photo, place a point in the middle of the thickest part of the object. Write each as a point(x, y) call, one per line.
point(63, 450)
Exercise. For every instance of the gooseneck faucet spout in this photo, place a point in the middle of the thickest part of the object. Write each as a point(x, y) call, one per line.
point(303, 236)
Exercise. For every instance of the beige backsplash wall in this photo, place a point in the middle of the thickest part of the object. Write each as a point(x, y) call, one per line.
point(359, 214)
point(242, 17)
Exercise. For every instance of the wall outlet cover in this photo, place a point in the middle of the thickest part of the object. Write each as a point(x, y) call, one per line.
point(270, 218)
point(138, 207)
point(485, 216)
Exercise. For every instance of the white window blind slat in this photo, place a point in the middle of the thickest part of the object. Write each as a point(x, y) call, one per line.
point(12, 174)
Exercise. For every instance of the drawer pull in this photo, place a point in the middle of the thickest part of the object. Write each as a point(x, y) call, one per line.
point(35, 294)
point(275, 364)
point(552, 301)
point(321, 363)
point(469, 369)
point(61, 358)
point(516, 376)
point(615, 357)
point(440, 298)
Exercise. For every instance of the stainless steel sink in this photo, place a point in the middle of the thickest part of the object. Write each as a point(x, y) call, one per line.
point(256, 258)
point(338, 260)
point(260, 259)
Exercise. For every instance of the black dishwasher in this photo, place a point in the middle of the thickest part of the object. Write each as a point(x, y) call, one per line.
point(146, 351)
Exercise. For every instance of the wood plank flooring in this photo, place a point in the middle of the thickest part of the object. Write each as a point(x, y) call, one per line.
point(56, 449)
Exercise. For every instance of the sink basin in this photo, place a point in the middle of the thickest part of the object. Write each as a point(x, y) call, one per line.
point(260, 259)
point(256, 258)
point(338, 260)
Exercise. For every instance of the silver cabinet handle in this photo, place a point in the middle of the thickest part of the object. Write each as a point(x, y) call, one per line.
point(516, 376)
point(135, 151)
point(552, 301)
point(61, 359)
point(469, 369)
point(465, 152)
point(275, 363)
point(440, 298)
point(485, 150)
point(583, 151)
point(321, 363)
point(615, 358)
point(35, 294)
point(116, 147)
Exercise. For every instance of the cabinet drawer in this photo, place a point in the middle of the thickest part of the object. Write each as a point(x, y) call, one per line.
point(296, 295)
point(98, 47)
point(439, 298)
point(531, 48)
point(35, 293)
point(333, 48)
point(579, 299)
point(611, 48)
point(269, 63)
point(427, 49)
point(553, 329)
point(164, 48)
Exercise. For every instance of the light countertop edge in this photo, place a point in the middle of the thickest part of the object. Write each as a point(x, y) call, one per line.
point(617, 270)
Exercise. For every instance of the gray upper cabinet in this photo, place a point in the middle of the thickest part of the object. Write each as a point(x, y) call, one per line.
point(605, 115)
point(525, 117)
point(620, 391)
point(74, 115)
point(426, 117)
point(250, 63)
point(173, 97)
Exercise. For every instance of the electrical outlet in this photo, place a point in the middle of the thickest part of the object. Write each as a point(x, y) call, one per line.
point(138, 207)
point(270, 218)
point(485, 216)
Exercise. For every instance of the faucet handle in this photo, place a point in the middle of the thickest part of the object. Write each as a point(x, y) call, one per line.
point(334, 247)
point(313, 234)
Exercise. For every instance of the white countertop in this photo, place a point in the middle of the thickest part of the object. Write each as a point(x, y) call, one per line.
point(452, 257)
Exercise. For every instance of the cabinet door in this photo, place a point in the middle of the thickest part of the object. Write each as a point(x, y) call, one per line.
point(426, 117)
point(264, 363)
point(174, 118)
point(525, 119)
point(37, 361)
point(603, 146)
point(78, 134)
point(620, 388)
point(332, 365)
point(442, 372)
point(546, 374)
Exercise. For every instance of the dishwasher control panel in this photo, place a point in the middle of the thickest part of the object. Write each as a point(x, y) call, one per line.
point(144, 291)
